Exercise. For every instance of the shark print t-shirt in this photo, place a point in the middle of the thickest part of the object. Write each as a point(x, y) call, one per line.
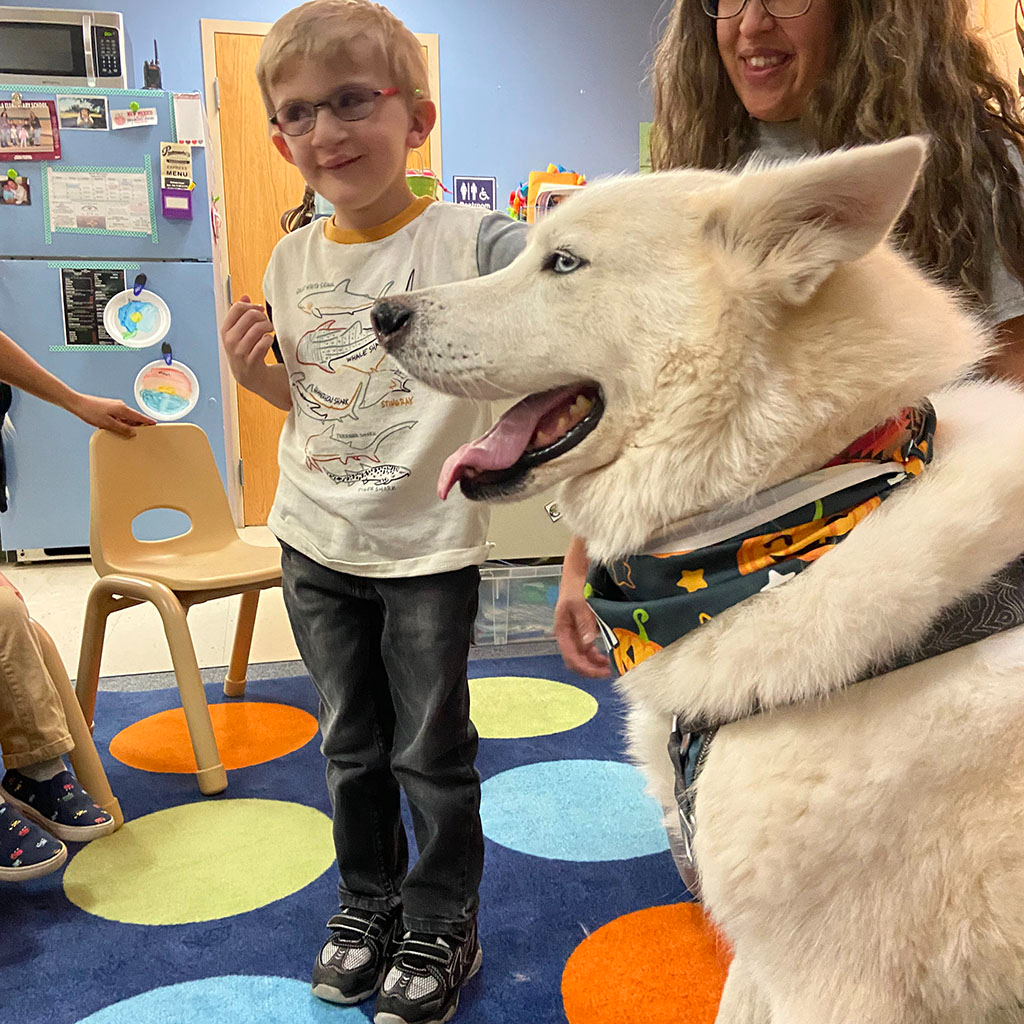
point(363, 445)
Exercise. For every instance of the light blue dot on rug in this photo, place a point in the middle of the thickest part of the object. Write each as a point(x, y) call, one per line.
point(573, 810)
point(234, 999)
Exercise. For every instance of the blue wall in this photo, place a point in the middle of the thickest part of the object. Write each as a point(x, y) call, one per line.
point(523, 84)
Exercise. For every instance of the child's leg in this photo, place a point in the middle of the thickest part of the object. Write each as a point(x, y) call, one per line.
point(427, 627)
point(32, 723)
point(34, 734)
point(337, 620)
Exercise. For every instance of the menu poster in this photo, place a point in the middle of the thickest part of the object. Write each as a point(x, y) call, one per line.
point(99, 201)
point(175, 165)
point(29, 130)
point(85, 294)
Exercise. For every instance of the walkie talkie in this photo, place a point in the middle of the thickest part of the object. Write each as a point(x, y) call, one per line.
point(151, 71)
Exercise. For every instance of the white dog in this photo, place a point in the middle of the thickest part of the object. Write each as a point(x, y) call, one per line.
point(688, 340)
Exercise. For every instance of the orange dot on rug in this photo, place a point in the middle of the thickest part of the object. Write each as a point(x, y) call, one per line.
point(247, 733)
point(657, 966)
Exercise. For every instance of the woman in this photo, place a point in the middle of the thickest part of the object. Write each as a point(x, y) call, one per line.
point(778, 78)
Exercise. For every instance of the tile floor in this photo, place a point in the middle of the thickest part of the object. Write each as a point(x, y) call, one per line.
point(56, 593)
point(135, 648)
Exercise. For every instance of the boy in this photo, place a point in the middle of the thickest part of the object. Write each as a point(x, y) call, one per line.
point(380, 578)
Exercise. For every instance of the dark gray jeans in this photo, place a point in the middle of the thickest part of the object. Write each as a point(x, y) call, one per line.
point(388, 659)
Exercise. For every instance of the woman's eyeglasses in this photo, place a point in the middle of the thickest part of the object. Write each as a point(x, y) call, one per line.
point(720, 9)
point(349, 104)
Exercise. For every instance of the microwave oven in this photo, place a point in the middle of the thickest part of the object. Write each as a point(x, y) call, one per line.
point(45, 46)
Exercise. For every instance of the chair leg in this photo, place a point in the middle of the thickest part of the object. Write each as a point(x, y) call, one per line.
point(234, 684)
point(84, 758)
point(113, 592)
point(98, 607)
point(210, 771)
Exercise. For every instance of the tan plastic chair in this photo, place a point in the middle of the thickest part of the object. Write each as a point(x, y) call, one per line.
point(169, 466)
point(84, 759)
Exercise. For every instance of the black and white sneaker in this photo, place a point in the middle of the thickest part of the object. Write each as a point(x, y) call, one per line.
point(352, 961)
point(426, 976)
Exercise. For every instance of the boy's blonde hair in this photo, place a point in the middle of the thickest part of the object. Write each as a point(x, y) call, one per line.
point(323, 29)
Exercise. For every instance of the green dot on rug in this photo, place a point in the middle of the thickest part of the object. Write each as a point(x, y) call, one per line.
point(201, 862)
point(513, 707)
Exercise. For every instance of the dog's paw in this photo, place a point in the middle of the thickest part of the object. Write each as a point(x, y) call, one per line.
point(722, 671)
point(679, 680)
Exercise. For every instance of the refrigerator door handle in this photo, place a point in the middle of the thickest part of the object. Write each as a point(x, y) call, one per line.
point(90, 63)
point(231, 300)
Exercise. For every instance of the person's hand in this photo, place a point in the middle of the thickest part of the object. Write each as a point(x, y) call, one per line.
point(109, 414)
point(246, 334)
point(576, 631)
point(575, 624)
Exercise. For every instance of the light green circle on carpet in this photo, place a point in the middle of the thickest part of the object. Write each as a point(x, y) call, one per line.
point(515, 707)
point(201, 862)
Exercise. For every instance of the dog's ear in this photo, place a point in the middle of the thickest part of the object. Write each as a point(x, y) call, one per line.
point(797, 222)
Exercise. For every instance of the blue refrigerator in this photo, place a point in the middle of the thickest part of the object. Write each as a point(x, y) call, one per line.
point(59, 262)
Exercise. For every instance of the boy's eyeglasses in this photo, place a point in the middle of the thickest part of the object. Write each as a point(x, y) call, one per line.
point(721, 9)
point(349, 104)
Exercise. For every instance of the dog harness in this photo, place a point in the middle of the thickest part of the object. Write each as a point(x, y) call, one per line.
point(645, 602)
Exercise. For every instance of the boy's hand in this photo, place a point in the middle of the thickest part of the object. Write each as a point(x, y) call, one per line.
point(247, 335)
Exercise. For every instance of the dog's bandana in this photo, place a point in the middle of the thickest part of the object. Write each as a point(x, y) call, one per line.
point(645, 602)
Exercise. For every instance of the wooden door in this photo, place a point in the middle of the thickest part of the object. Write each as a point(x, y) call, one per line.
point(258, 187)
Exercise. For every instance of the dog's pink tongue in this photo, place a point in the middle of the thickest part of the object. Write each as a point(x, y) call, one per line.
point(505, 442)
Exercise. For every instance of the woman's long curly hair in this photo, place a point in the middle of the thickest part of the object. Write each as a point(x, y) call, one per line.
point(902, 67)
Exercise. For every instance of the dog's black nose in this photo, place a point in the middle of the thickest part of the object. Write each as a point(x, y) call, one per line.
point(389, 318)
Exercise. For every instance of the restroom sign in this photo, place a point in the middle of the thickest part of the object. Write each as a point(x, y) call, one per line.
point(475, 191)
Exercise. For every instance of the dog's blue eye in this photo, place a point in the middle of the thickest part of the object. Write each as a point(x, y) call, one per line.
point(564, 262)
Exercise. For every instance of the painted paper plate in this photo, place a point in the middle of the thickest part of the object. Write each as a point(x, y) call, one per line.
point(137, 321)
point(166, 392)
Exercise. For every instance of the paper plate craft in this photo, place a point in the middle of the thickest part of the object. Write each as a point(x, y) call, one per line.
point(137, 321)
point(166, 392)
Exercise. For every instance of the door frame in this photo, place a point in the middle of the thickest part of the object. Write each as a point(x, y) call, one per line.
point(209, 27)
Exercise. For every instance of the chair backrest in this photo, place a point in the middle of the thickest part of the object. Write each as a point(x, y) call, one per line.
point(169, 465)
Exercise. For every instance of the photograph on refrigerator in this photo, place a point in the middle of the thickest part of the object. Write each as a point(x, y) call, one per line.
point(83, 112)
point(29, 130)
point(16, 191)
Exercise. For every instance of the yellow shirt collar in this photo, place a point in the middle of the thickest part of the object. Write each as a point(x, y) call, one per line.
point(353, 236)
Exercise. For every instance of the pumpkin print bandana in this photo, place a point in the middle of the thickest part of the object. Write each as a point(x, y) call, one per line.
point(645, 602)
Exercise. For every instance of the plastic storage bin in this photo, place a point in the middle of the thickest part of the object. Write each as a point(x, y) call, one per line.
point(517, 604)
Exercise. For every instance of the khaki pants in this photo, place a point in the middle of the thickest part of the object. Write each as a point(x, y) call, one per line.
point(32, 723)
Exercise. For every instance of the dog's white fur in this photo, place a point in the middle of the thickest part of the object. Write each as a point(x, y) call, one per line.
point(863, 851)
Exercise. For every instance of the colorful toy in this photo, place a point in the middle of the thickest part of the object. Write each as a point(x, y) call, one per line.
point(517, 202)
point(422, 181)
point(522, 203)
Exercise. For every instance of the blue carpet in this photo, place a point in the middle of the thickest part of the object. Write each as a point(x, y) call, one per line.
point(62, 965)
